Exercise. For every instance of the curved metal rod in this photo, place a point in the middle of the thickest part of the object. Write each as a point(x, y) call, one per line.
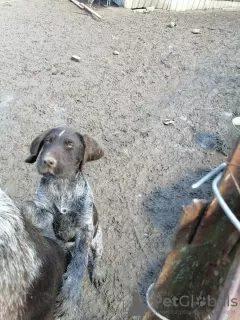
point(149, 305)
point(209, 175)
point(223, 204)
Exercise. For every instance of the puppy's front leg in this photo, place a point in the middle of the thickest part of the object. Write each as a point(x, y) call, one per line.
point(69, 298)
point(98, 272)
point(75, 271)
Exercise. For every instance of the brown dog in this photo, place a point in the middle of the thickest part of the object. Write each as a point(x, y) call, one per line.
point(64, 208)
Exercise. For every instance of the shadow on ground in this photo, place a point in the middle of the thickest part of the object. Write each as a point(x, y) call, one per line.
point(163, 209)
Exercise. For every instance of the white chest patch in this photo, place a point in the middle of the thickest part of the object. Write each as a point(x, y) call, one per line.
point(64, 210)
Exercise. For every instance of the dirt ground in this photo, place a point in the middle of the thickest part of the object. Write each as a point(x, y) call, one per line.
point(122, 101)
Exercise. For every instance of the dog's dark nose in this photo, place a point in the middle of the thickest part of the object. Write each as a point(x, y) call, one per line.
point(50, 162)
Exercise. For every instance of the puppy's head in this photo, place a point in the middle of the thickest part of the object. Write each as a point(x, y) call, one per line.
point(62, 152)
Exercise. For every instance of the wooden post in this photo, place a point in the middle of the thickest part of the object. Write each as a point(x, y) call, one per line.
point(206, 242)
point(227, 307)
point(84, 7)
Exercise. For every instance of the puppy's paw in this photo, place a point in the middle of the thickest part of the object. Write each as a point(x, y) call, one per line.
point(71, 287)
point(67, 308)
point(98, 276)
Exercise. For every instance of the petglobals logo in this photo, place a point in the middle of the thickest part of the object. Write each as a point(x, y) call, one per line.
point(191, 301)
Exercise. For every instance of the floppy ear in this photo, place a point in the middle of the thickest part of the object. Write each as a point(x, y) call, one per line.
point(36, 146)
point(92, 150)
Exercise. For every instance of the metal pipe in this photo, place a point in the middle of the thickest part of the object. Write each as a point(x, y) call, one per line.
point(209, 175)
point(223, 204)
point(149, 305)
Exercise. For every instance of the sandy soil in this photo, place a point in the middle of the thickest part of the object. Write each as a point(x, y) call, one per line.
point(122, 101)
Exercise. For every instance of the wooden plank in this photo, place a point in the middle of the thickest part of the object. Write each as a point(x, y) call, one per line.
point(179, 5)
point(231, 195)
point(154, 3)
point(227, 307)
point(135, 4)
point(195, 4)
point(160, 4)
point(186, 4)
point(141, 4)
point(84, 7)
point(201, 255)
point(174, 5)
point(166, 4)
point(201, 5)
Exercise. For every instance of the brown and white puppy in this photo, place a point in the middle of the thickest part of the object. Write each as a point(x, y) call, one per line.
point(31, 267)
point(64, 207)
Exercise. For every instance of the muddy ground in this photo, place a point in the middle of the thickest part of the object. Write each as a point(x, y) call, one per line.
point(122, 101)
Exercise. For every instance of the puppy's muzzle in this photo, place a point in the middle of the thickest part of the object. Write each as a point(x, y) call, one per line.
point(50, 162)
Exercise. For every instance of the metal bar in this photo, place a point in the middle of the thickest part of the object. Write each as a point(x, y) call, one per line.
point(209, 175)
point(223, 204)
point(149, 305)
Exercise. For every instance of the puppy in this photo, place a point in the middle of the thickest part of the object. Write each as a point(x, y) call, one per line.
point(64, 207)
point(31, 267)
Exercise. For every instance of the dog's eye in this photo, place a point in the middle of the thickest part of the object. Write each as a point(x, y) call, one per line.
point(48, 140)
point(69, 144)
